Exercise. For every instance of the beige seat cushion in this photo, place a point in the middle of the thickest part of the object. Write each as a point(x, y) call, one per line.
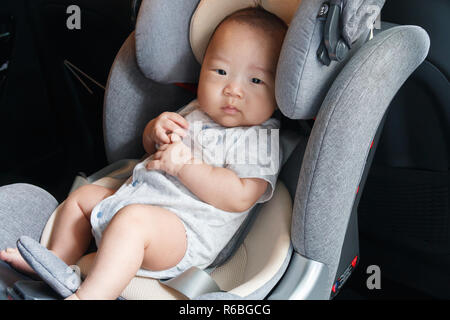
point(209, 13)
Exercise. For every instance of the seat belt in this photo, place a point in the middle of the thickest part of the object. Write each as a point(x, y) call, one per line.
point(306, 127)
point(193, 283)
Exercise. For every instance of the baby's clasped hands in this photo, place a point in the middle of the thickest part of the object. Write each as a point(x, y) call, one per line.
point(165, 123)
point(171, 157)
point(166, 131)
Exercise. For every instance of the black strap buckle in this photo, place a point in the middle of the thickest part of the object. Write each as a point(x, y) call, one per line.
point(333, 46)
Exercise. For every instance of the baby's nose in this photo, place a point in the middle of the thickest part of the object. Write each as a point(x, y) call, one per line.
point(233, 90)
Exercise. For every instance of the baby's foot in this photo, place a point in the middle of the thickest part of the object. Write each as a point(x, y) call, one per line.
point(14, 258)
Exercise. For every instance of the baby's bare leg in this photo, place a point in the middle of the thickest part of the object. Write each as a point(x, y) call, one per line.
point(139, 236)
point(71, 231)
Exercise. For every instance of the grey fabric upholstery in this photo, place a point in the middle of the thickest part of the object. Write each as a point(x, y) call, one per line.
point(131, 100)
point(57, 274)
point(340, 140)
point(154, 40)
point(357, 15)
point(302, 81)
point(24, 210)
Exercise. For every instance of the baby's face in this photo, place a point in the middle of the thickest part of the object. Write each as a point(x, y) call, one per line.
point(237, 79)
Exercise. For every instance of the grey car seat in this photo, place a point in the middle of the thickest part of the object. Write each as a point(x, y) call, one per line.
point(303, 243)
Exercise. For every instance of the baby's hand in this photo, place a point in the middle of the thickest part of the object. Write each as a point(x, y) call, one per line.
point(171, 157)
point(166, 123)
point(174, 137)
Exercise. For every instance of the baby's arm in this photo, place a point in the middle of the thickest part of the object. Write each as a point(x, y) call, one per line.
point(221, 187)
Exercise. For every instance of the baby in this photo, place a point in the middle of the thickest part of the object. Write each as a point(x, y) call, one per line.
point(181, 206)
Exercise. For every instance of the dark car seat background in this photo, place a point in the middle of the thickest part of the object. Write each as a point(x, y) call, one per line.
point(404, 216)
point(51, 125)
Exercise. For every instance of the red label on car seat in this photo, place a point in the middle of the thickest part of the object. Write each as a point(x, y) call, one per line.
point(188, 86)
point(344, 277)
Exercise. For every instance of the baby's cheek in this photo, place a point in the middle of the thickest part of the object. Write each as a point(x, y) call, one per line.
point(202, 95)
point(208, 98)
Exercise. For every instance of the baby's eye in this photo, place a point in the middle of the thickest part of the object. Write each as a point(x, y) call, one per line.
point(256, 80)
point(221, 72)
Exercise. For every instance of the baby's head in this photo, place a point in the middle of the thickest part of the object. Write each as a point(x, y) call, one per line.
point(237, 78)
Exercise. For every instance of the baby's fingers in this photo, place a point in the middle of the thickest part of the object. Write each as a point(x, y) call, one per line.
point(171, 126)
point(158, 154)
point(174, 137)
point(153, 165)
point(163, 146)
point(179, 119)
point(162, 135)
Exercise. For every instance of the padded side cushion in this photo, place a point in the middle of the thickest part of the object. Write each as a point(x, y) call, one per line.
point(163, 49)
point(49, 267)
point(131, 101)
point(340, 141)
point(24, 210)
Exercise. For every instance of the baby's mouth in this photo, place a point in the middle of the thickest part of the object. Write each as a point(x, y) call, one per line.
point(230, 109)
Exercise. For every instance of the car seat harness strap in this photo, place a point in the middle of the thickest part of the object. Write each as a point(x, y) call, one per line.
point(193, 283)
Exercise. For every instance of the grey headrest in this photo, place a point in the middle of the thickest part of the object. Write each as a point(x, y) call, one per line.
point(164, 53)
point(302, 81)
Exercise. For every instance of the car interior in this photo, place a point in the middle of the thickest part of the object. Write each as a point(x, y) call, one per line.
point(53, 89)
